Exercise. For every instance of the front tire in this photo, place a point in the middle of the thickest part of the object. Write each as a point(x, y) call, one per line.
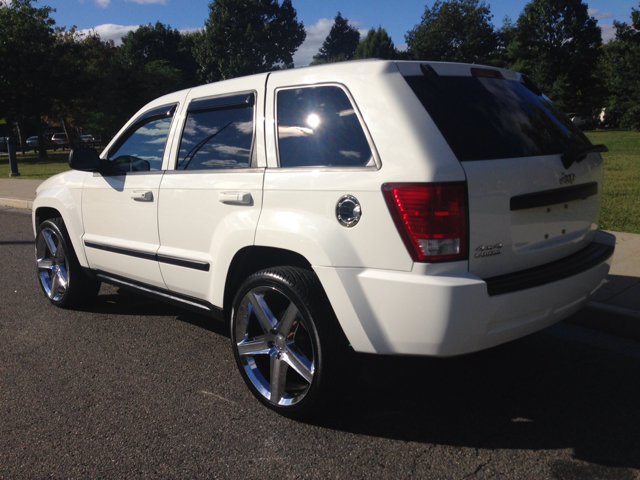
point(287, 342)
point(60, 274)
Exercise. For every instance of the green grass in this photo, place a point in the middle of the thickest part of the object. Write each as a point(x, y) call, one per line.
point(621, 197)
point(32, 167)
point(620, 203)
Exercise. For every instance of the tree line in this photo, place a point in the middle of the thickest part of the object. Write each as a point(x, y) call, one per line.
point(54, 73)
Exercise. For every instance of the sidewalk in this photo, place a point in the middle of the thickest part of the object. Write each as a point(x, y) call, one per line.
point(614, 309)
point(17, 193)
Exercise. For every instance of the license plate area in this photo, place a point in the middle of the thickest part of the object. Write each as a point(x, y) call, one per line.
point(543, 227)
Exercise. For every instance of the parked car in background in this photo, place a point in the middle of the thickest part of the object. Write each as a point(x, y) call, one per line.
point(32, 143)
point(392, 208)
point(60, 140)
point(578, 120)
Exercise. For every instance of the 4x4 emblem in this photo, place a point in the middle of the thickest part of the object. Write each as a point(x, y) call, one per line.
point(488, 250)
point(564, 178)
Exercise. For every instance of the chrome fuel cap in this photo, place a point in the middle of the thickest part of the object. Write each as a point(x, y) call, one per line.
point(348, 211)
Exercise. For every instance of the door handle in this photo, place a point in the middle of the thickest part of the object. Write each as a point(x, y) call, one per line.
point(142, 195)
point(235, 198)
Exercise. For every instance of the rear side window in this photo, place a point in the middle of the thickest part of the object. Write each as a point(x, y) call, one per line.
point(217, 135)
point(318, 127)
point(485, 118)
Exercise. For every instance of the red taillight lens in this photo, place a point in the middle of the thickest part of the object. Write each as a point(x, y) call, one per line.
point(431, 218)
point(486, 72)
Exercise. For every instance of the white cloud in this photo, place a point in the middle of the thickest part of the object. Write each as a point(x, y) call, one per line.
point(103, 3)
point(315, 36)
point(144, 2)
point(608, 32)
point(594, 12)
point(109, 31)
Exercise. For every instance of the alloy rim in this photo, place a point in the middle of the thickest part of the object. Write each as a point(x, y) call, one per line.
point(275, 346)
point(52, 264)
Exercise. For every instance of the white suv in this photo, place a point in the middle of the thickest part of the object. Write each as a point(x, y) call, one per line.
point(372, 206)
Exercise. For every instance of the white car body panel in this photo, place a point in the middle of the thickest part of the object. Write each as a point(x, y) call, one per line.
point(449, 314)
point(63, 192)
point(209, 230)
point(299, 215)
point(114, 218)
point(533, 236)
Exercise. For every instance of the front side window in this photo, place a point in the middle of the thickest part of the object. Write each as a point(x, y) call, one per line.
point(218, 138)
point(318, 127)
point(143, 148)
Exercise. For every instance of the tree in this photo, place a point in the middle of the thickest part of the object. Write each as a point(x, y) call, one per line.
point(377, 44)
point(340, 44)
point(112, 91)
point(454, 31)
point(242, 37)
point(27, 40)
point(622, 58)
point(160, 43)
point(556, 42)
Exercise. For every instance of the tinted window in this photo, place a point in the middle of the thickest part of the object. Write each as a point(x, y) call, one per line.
point(144, 148)
point(219, 138)
point(490, 118)
point(317, 126)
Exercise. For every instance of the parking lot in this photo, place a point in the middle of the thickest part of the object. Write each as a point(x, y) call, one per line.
point(131, 388)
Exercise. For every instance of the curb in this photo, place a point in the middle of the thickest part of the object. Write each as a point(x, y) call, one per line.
point(622, 322)
point(613, 309)
point(16, 203)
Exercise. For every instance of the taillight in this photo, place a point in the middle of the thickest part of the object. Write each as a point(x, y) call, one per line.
point(486, 72)
point(431, 219)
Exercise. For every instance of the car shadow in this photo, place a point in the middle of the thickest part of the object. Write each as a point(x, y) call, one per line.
point(537, 393)
point(118, 301)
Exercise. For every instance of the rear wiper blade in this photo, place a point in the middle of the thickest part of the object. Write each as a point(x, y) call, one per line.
point(580, 154)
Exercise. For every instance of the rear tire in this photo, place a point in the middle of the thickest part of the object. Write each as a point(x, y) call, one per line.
point(61, 277)
point(287, 342)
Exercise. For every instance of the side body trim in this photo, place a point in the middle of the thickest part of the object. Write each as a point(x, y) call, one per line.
point(181, 262)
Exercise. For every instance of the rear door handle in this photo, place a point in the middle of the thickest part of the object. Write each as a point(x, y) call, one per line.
point(142, 195)
point(235, 198)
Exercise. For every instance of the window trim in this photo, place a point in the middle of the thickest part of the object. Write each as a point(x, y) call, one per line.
point(217, 102)
point(247, 99)
point(356, 109)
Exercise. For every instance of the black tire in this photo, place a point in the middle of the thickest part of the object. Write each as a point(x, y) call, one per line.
point(61, 277)
point(283, 326)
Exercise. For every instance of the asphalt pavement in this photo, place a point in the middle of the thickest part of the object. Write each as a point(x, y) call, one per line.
point(128, 387)
point(614, 309)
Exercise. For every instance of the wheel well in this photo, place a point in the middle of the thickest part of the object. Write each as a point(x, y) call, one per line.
point(250, 260)
point(46, 213)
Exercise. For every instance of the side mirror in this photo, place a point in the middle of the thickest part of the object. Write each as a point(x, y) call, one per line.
point(84, 159)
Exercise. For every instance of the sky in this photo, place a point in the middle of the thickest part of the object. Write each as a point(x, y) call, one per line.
point(114, 18)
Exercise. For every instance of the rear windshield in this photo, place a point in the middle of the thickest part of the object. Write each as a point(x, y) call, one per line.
point(490, 118)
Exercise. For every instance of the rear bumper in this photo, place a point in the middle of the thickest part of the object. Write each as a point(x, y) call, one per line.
point(388, 312)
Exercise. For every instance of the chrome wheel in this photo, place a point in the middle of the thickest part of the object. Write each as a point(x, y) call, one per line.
point(275, 345)
point(52, 263)
point(61, 277)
